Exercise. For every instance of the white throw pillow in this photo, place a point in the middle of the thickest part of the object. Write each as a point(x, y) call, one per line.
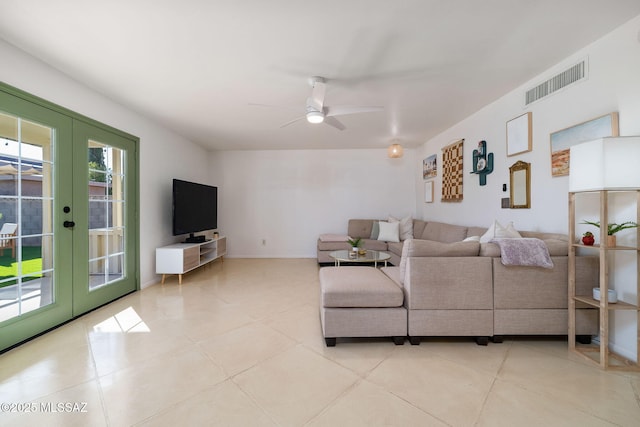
point(389, 231)
point(511, 232)
point(472, 239)
point(497, 230)
point(406, 226)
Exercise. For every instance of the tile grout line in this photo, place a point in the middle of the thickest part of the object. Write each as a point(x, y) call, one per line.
point(254, 401)
point(103, 403)
point(335, 400)
point(636, 390)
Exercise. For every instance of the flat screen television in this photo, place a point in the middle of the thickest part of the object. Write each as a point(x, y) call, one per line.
point(195, 208)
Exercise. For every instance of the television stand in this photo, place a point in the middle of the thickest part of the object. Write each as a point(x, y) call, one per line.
point(181, 258)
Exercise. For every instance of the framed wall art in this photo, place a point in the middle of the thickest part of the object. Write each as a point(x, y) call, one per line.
point(430, 167)
point(452, 174)
point(563, 140)
point(519, 134)
point(428, 192)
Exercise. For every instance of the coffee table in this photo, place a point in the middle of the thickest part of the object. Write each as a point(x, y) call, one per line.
point(369, 256)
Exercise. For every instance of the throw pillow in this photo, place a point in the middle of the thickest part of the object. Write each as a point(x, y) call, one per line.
point(512, 232)
point(406, 226)
point(389, 231)
point(375, 230)
point(472, 239)
point(497, 230)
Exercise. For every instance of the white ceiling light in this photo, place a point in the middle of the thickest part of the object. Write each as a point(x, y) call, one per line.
point(395, 150)
point(315, 117)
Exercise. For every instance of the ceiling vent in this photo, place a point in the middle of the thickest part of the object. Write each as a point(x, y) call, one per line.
point(572, 75)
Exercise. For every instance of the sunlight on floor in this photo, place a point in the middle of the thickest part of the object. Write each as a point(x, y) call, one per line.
point(126, 321)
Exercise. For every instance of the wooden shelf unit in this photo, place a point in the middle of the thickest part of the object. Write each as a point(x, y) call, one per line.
point(601, 354)
point(181, 258)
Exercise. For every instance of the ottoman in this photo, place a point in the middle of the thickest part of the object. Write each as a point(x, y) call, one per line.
point(360, 302)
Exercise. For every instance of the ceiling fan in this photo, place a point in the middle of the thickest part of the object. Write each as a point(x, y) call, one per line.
point(316, 112)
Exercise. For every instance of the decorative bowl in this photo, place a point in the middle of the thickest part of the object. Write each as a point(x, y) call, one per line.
point(612, 295)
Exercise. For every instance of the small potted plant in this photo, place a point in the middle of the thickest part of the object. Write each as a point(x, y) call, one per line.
point(588, 239)
point(355, 245)
point(612, 229)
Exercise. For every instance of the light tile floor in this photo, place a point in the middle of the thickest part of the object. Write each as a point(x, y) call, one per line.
point(239, 344)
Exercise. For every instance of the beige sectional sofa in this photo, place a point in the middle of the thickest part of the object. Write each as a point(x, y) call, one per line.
point(423, 230)
point(456, 288)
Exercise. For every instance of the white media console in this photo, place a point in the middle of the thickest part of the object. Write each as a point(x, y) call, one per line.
point(180, 258)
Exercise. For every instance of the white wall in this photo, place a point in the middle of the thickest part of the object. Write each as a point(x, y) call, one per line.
point(613, 85)
point(163, 155)
point(290, 197)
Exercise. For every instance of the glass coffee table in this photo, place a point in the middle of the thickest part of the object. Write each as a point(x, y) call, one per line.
point(367, 257)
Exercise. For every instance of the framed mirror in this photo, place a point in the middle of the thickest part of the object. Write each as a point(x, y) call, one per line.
point(520, 177)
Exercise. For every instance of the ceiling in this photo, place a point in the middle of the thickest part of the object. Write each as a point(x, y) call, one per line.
point(196, 65)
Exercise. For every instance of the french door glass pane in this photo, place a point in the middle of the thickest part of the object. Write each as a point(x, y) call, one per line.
point(106, 214)
point(26, 216)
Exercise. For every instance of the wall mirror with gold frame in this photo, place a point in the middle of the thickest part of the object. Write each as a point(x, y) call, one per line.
point(520, 179)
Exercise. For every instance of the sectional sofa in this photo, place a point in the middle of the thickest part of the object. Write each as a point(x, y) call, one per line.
point(453, 287)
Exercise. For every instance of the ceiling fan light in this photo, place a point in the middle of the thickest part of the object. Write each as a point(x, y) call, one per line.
point(315, 117)
point(395, 151)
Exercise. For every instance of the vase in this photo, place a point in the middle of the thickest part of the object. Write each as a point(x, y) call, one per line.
point(611, 241)
point(588, 240)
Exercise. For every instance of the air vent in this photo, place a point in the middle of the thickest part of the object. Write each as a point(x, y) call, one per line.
point(564, 79)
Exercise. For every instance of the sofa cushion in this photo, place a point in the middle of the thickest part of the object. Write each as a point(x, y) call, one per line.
point(358, 287)
point(556, 247)
point(418, 228)
point(360, 228)
point(476, 231)
point(374, 245)
point(489, 250)
point(449, 283)
point(332, 246)
point(392, 273)
point(389, 231)
point(406, 227)
point(545, 236)
point(445, 233)
point(395, 247)
point(557, 243)
point(428, 248)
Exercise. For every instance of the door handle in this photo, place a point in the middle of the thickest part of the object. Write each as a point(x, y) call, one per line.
point(69, 224)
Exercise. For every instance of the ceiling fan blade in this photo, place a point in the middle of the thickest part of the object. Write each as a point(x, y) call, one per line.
point(333, 122)
point(293, 121)
point(342, 110)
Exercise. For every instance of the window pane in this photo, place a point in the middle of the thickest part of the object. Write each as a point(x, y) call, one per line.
point(26, 206)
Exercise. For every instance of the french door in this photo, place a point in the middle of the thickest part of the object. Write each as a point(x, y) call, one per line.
point(68, 227)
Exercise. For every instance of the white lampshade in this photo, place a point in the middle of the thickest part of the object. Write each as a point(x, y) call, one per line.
point(605, 164)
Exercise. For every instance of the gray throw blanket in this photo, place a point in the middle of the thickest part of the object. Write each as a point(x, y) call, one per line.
point(525, 251)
